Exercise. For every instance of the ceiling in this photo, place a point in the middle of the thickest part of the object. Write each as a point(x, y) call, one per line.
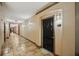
point(22, 10)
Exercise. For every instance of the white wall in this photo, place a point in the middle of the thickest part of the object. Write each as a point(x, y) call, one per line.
point(16, 28)
point(1, 34)
point(68, 32)
point(7, 29)
point(69, 29)
point(29, 29)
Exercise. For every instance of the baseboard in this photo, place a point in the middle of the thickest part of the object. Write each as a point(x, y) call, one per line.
point(28, 40)
point(76, 54)
point(55, 54)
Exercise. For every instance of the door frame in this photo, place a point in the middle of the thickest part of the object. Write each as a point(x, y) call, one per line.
point(19, 29)
point(42, 30)
point(4, 31)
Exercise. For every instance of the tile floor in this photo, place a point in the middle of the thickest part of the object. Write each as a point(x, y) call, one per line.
point(18, 46)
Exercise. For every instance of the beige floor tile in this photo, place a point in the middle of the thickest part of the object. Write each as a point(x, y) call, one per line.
point(18, 46)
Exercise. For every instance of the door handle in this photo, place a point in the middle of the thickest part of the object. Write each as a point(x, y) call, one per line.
point(59, 25)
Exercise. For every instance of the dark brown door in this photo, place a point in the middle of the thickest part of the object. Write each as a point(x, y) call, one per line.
point(48, 34)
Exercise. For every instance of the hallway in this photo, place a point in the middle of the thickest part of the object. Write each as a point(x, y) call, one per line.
point(18, 46)
point(37, 29)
